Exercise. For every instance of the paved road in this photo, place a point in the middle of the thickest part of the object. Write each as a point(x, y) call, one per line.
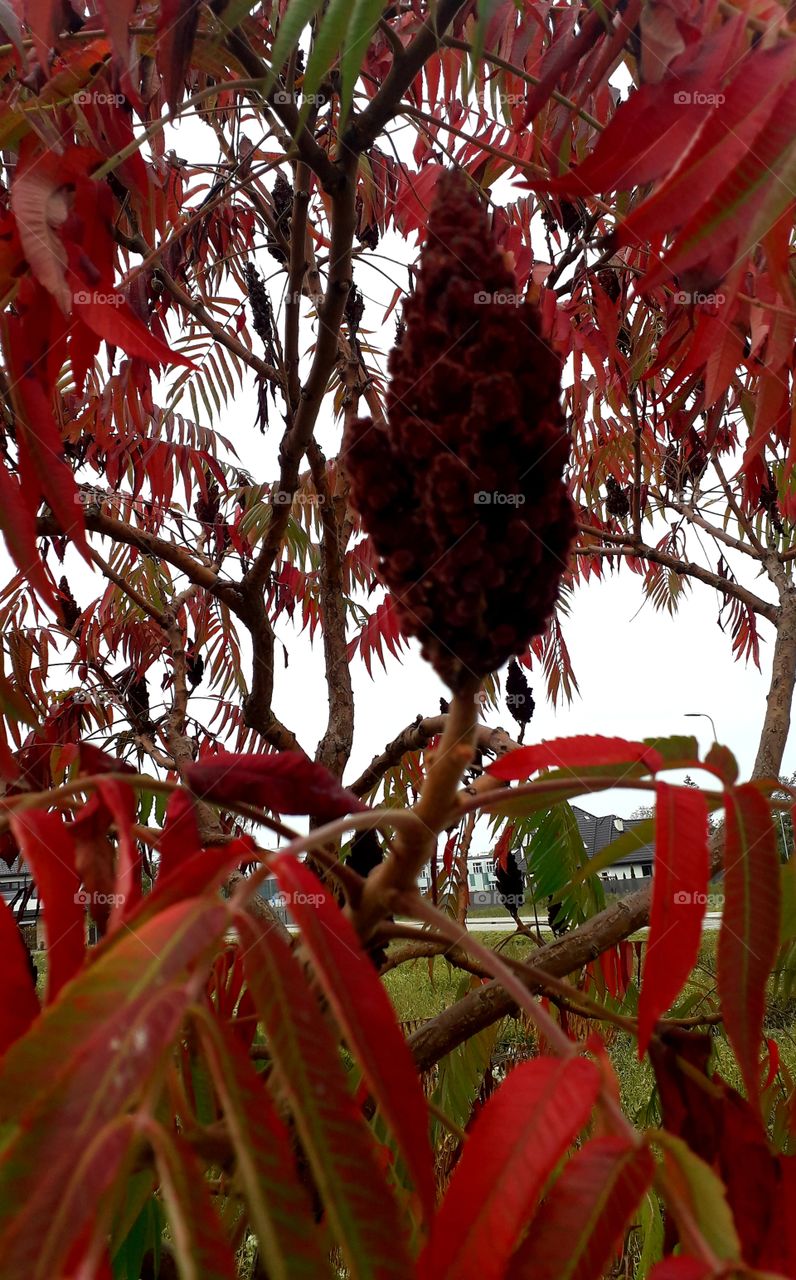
point(503, 924)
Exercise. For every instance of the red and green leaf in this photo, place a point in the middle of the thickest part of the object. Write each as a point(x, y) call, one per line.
point(341, 1149)
point(47, 847)
point(284, 782)
point(365, 1015)
point(679, 897)
point(20, 1005)
point(200, 1245)
point(573, 753)
point(514, 1145)
point(582, 1220)
point(123, 971)
point(278, 1204)
point(749, 936)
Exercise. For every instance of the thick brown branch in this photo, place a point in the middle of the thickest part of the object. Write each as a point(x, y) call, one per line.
point(296, 271)
point(148, 543)
point(415, 737)
point(257, 712)
point(779, 701)
point(335, 746)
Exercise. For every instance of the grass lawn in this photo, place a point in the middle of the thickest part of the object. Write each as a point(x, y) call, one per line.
point(424, 988)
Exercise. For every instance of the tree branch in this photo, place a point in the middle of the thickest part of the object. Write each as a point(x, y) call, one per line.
point(414, 845)
point(715, 531)
point(127, 588)
point(198, 310)
point(415, 737)
point(735, 507)
point(687, 568)
point(295, 278)
point(151, 545)
point(330, 315)
point(335, 746)
point(366, 127)
point(311, 153)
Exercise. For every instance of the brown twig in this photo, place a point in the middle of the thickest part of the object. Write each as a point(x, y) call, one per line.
point(433, 812)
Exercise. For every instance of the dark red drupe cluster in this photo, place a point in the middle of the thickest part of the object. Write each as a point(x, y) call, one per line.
point(462, 492)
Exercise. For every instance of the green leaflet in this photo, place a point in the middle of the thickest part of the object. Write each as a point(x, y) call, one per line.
point(364, 18)
point(325, 48)
point(299, 14)
point(557, 863)
point(704, 1195)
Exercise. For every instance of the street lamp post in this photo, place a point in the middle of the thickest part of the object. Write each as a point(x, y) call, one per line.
point(703, 715)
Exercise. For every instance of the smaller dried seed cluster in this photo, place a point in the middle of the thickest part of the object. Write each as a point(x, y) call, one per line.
point(462, 493)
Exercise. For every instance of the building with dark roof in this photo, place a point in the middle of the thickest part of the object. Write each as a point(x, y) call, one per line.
point(597, 831)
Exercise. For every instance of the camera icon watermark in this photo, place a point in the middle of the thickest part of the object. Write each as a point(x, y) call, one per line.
point(683, 898)
point(483, 498)
point(685, 98)
point(87, 297)
point(482, 898)
point(85, 899)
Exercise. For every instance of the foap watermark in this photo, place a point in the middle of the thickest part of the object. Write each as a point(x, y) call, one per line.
point(282, 499)
point(87, 297)
point(493, 898)
point(85, 899)
point(99, 98)
point(283, 899)
point(483, 498)
point(483, 298)
point(686, 98)
point(88, 497)
point(284, 98)
point(516, 699)
point(503, 99)
point(693, 298)
point(683, 898)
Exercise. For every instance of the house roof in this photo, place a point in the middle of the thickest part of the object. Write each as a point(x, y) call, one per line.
point(599, 830)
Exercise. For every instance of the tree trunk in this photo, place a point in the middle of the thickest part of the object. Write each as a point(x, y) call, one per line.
point(776, 725)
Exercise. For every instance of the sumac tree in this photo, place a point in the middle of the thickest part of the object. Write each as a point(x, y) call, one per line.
point(592, 369)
